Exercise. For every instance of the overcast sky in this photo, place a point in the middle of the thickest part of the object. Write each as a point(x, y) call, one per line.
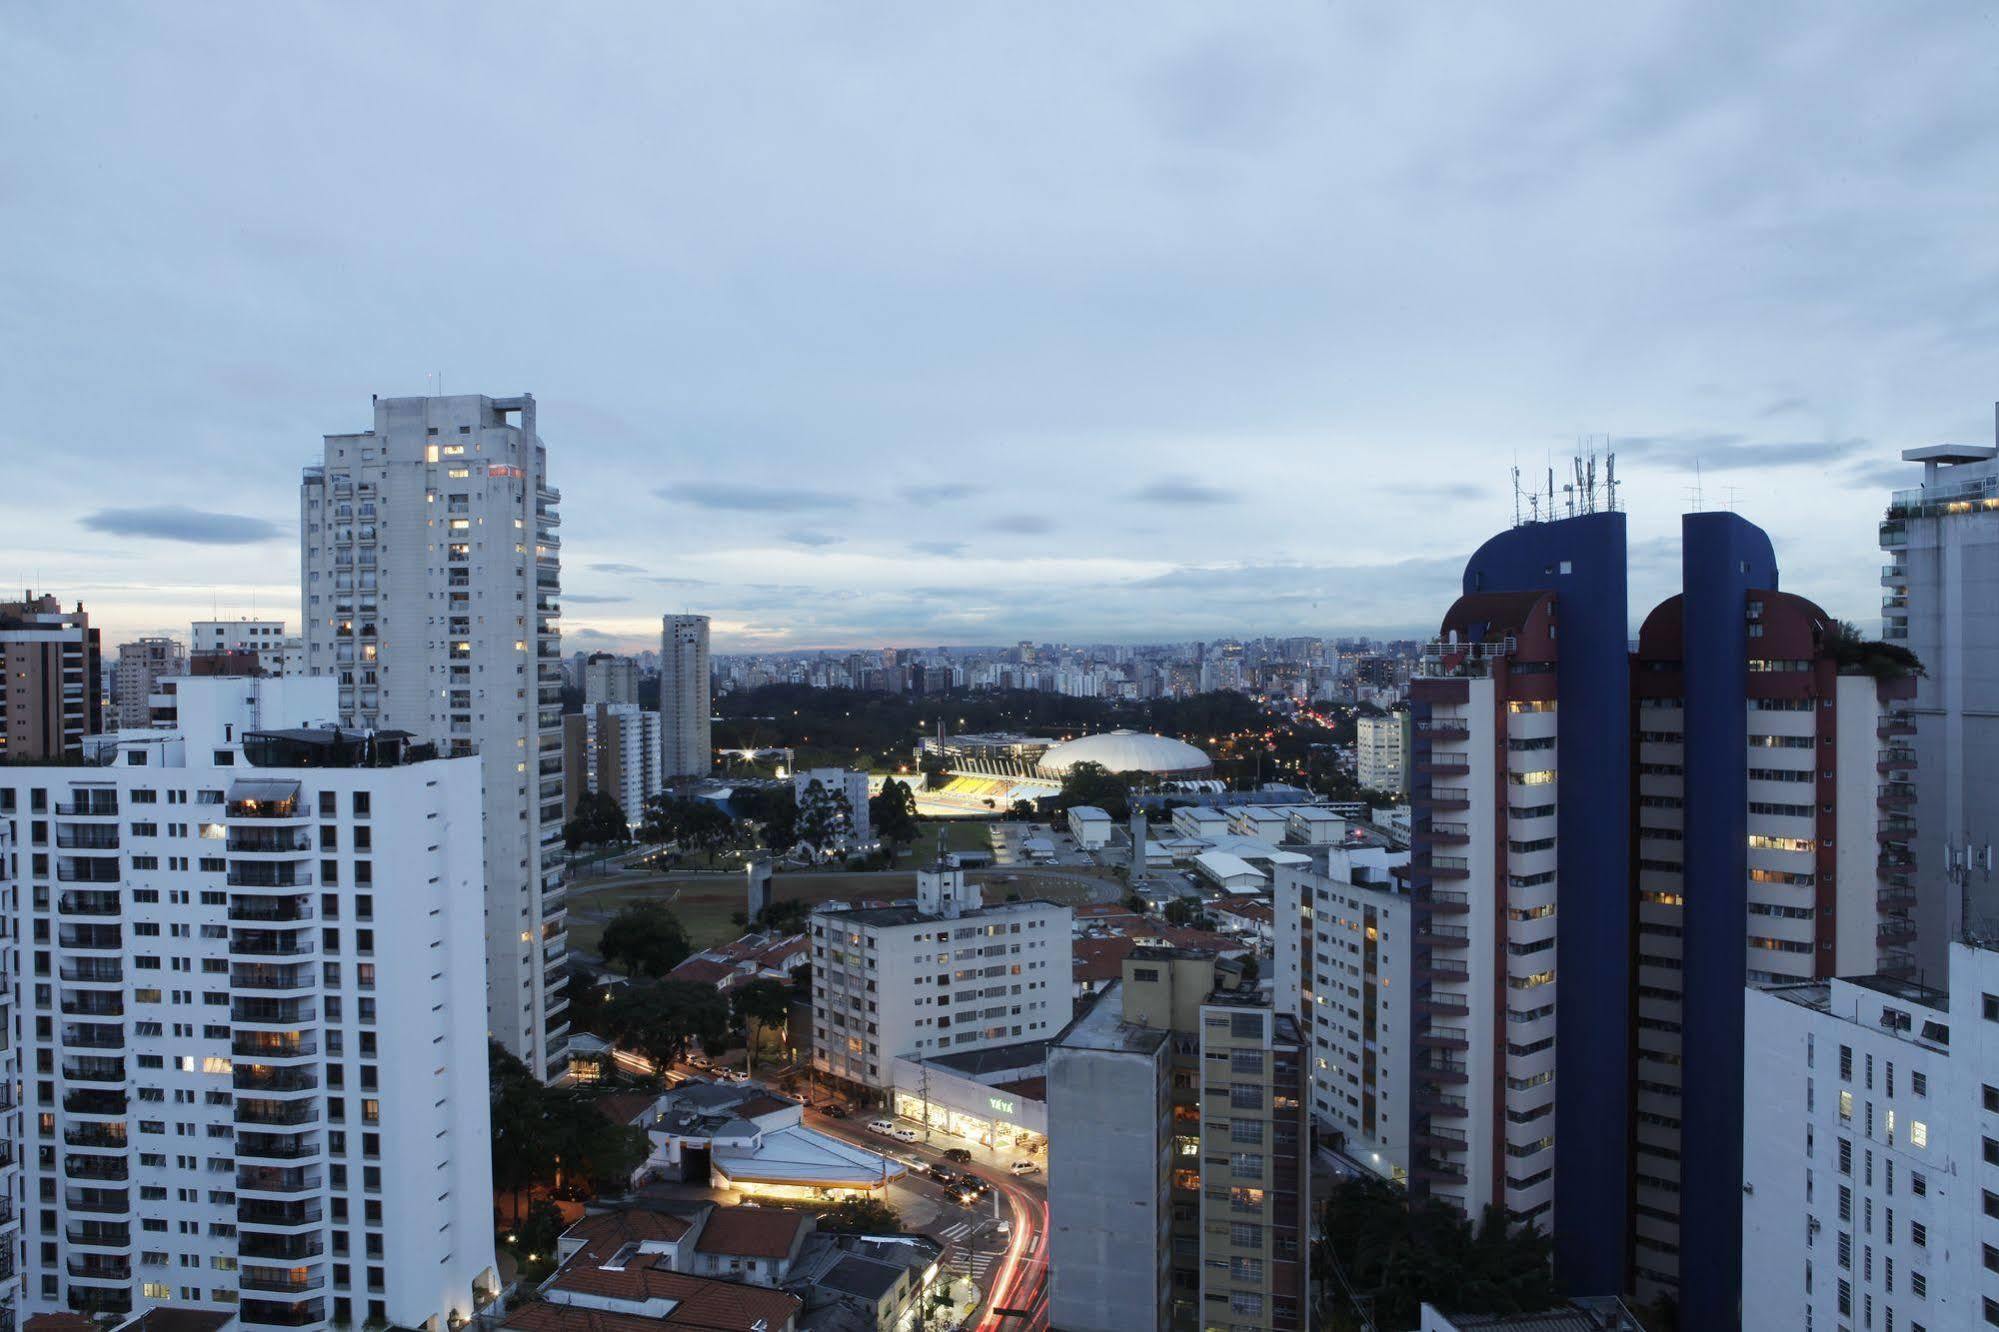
point(867, 324)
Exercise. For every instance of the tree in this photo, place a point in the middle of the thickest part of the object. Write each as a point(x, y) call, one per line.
point(553, 1138)
point(1094, 784)
point(780, 820)
point(761, 1004)
point(695, 825)
point(645, 939)
point(787, 917)
point(936, 771)
point(661, 1018)
point(597, 821)
point(893, 814)
point(861, 1216)
point(1022, 811)
point(1188, 911)
point(823, 815)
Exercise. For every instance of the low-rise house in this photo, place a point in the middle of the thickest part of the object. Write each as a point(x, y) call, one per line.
point(866, 1283)
point(639, 1268)
point(740, 1136)
point(752, 957)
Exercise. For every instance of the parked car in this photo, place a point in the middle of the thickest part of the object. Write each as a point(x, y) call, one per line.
point(1023, 1167)
point(958, 1154)
point(833, 1110)
point(904, 1133)
point(881, 1126)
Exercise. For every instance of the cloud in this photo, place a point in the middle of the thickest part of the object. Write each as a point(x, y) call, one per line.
point(1880, 476)
point(1023, 524)
point(1729, 453)
point(1445, 490)
point(177, 522)
point(592, 635)
point(753, 498)
point(944, 549)
point(1784, 405)
point(614, 568)
point(584, 599)
point(1183, 490)
point(812, 539)
point(681, 582)
point(938, 490)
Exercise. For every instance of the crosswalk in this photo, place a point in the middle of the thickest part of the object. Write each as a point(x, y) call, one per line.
point(956, 1234)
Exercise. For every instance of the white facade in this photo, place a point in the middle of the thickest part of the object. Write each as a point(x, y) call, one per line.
point(686, 710)
point(608, 678)
point(1381, 752)
point(843, 782)
point(1342, 966)
point(1090, 826)
point(1940, 599)
point(620, 755)
point(260, 1021)
point(940, 975)
point(431, 583)
point(276, 653)
point(1871, 1152)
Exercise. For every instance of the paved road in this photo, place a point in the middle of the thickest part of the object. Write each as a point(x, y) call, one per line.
point(1011, 1270)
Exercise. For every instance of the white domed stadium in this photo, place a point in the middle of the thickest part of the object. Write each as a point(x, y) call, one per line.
point(1128, 751)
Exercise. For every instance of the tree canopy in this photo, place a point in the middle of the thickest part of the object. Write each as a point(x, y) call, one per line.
point(695, 825)
point(823, 814)
point(554, 1138)
point(1399, 1255)
point(1094, 784)
point(861, 1216)
point(645, 939)
point(893, 815)
point(660, 1019)
point(598, 820)
point(761, 1005)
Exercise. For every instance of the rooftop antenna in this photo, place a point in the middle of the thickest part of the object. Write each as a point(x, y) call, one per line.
point(1695, 496)
point(1516, 490)
point(1610, 473)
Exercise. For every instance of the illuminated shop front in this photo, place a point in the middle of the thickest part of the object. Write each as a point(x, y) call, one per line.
point(994, 1099)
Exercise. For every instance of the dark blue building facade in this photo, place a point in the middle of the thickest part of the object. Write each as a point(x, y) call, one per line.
point(1582, 561)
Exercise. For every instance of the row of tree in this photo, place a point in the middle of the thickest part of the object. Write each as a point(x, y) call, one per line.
point(775, 818)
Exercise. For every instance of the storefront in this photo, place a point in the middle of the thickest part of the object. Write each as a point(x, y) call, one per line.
point(1001, 1105)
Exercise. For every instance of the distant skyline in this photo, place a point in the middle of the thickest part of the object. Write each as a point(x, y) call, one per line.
point(906, 324)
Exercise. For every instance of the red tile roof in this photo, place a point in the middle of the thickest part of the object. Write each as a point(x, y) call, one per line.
point(1099, 960)
point(763, 1105)
point(703, 1303)
point(604, 1233)
point(751, 1232)
point(58, 1322)
point(1090, 910)
point(624, 1107)
point(702, 971)
point(1034, 1089)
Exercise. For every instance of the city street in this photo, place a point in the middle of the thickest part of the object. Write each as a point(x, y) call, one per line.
point(1000, 1240)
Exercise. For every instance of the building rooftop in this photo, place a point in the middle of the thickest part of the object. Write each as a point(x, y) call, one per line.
point(751, 1232)
point(993, 1059)
point(1102, 1027)
point(868, 1278)
point(906, 913)
point(331, 747)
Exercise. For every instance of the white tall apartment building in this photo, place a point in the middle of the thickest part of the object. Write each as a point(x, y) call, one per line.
point(843, 782)
point(13, 1117)
point(612, 749)
point(609, 678)
point(250, 955)
point(1940, 599)
point(1382, 752)
point(940, 975)
point(1870, 1194)
point(431, 585)
point(1344, 967)
point(686, 705)
point(276, 653)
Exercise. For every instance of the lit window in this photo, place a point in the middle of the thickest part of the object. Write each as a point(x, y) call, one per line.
point(1919, 1133)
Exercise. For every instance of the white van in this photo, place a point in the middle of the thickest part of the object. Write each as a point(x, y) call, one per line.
point(904, 1133)
point(881, 1126)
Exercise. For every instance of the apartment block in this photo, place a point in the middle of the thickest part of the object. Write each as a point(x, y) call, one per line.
point(1870, 1191)
point(275, 652)
point(611, 749)
point(609, 678)
point(51, 679)
point(1940, 599)
point(141, 664)
point(1179, 1186)
point(431, 579)
point(252, 948)
point(845, 786)
point(941, 975)
point(1383, 751)
point(686, 705)
point(1344, 957)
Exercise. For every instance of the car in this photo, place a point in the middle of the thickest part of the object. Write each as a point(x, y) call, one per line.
point(882, 1126)
point(833, 1110)
point(958, 1154)
point(1023, 1168)
point(945, 1178)
point(903, 1133)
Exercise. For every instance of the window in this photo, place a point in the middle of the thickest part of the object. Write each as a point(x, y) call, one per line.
point(1919, 1134)
point(1919, 1234)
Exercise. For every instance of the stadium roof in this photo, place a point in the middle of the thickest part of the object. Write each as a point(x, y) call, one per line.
point(1127, 751)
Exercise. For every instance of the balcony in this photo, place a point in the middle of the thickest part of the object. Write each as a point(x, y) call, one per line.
point(271, 943)
point(93, 1036)
point(100, 1235)
point(92, 1003)
point(269, 874)
point(1898, 898)
point(1444, 1038)
point(264, 976)
point(1444, 765)
point(105, 938)
point(109, 1104)
point(88, 904)
point(1442, 1069)
point(89, 805)
point(1443, 867)
point(274, 1147)
point(87, 837)
point(1450, 973)
point(1895, 930)
point(92, 1068)
point(72, 870)
point(105, 1169)
point(1895, 795)
point(1436, 1170)
point(277, 1179)
point(264, 1313)
point(1893, 757)
point(1447, 797)
point(257, 841)
point(109, 1136)
point(1893, 726)
point(273, 1012)
point(101, 1269)
point(263, 1045)
point(277, 1114)
point(284, 1248)
point(1445, 833)
point(287, 910)
point(1440, 1105)
point(281, 1280)
point(265, 1078)
point(1442, 1139)
point(278, 809)
point(92, 971)
point(98, 1202)
point(1433, 935)
point(1447, 902)
point(1443, 1005)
